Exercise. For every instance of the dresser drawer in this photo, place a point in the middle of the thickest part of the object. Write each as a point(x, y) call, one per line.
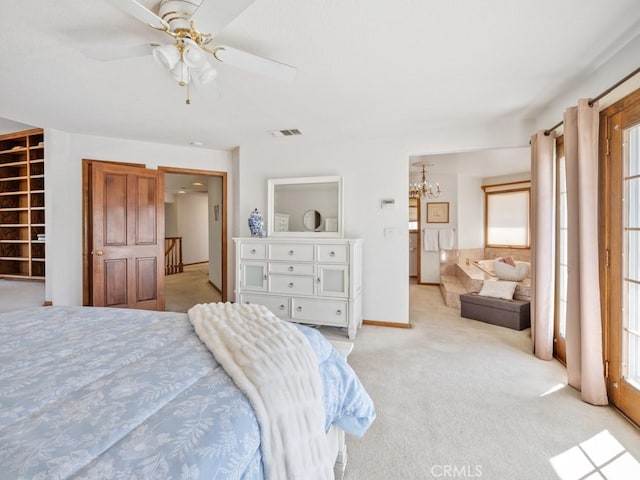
point(278, 305)
point(291, 284)
point(333, 253)
point(319, 311)
point(254, 251)
point(292, 268)
point(291, 252)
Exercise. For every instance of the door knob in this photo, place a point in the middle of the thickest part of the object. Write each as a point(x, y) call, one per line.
point(99, 253)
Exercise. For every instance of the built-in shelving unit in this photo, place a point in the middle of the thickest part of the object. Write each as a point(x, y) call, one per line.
point(22, 240)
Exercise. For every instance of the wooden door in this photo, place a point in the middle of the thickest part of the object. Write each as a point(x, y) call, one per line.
point(127, 251)
point(620, 125)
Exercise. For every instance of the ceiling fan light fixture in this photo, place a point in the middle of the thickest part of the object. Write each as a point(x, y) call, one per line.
point(193, 55)
point(181, 73)
point(166, 55)
point(206, 74)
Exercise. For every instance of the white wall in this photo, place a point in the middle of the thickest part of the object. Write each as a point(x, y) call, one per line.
point(516, 177)
point(193, 226)
point(63, 196)
point(470, 212)
point(170, 219)
point(367, 178)
point(372, 169)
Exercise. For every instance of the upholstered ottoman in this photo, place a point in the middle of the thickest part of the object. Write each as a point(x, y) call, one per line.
point(505, 313)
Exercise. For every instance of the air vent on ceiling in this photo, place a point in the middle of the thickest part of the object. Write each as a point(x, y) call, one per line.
point(285, 133)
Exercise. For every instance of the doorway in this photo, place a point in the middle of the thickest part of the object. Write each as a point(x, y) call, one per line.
point(193, 233)
point(195, 211)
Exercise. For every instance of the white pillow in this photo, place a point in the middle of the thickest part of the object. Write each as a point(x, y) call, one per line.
point(498, 289)
point(504, 271)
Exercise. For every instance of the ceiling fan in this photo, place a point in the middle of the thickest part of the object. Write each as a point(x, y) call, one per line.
point(189, 54)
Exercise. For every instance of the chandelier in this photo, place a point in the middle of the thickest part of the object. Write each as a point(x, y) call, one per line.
point(423, 189)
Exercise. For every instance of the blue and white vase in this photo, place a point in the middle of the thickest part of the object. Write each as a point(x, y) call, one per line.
point(256, 224)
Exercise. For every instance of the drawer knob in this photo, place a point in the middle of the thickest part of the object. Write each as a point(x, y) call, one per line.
point(291, 268)
point(290, 284)
point(299, 309)
point(281, 307)
point(332, 254)
point(290, 252)
point(253, 251)
point(338, 312)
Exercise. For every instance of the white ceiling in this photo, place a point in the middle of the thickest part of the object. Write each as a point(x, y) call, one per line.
point(182, 182)
point(366, 68)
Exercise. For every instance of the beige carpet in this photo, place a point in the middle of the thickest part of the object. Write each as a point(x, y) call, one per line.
point(184, 290)
point(17, 294)
point(457, 398)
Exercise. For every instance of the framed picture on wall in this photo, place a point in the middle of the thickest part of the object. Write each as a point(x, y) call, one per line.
point(437, 212)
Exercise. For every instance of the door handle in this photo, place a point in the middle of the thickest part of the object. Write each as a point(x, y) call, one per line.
point(98, 252)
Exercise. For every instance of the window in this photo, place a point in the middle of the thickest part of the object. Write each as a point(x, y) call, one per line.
point(507, 215)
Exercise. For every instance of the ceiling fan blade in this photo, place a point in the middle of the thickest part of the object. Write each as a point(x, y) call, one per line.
point(213, 15)
point(142, 13)
point(254, 63)
point(118, 52)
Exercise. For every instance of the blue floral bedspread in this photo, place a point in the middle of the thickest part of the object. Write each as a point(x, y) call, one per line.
point(98, 393)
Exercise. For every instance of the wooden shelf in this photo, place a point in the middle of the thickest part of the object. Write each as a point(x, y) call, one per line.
point(17, 192)
point(14, 164)
point(13, 179)
point(21, 255)
point(13, 150)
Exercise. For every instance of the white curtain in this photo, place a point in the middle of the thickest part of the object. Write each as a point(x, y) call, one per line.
point(542, 244)
point(585, 369)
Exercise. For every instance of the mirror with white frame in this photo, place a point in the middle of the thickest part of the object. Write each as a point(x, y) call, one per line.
point(305, 207)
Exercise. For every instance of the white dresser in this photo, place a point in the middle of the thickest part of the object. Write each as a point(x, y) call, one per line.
point(304, 280)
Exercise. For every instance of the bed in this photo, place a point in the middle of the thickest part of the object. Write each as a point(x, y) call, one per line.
point(99, 393)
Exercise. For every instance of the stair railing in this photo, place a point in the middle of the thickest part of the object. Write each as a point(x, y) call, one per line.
point(173, 255)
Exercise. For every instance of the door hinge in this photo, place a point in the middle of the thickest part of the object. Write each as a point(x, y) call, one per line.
point(606, 257)
point(606, 369)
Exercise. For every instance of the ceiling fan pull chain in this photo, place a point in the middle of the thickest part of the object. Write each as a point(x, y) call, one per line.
point(188, 101)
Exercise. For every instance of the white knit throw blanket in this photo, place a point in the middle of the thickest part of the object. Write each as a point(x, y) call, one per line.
point(276, 368)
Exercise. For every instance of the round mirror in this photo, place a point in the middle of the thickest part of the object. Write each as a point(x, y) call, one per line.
point(312, 220)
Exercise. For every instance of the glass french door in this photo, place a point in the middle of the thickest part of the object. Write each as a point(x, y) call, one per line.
point(562, 270)
point(622, 278)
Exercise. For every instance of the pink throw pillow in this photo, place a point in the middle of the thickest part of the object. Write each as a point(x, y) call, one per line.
point(508, 260)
